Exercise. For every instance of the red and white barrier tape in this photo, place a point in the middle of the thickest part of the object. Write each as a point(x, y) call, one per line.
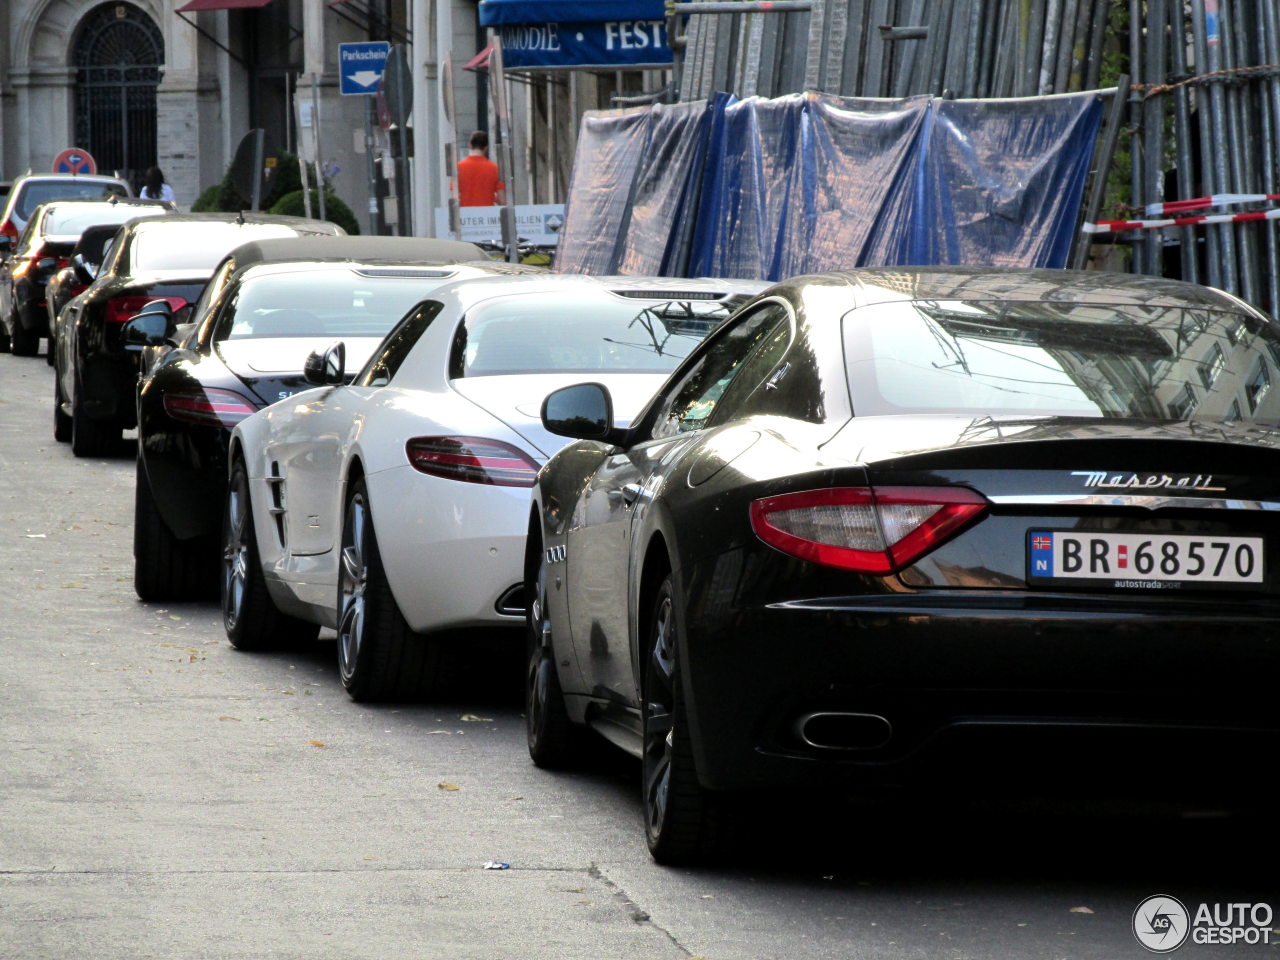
point(1118, 226)
point(1202, 203)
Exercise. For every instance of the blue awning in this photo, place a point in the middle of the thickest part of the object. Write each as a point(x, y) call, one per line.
point(494, 13)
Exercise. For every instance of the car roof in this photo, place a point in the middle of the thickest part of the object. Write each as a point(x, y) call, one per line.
point(896, 284)
point(302, 223)
point(52, 175)
point(472, 291)
point(364, 249)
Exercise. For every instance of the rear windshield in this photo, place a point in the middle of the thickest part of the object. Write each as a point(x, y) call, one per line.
point(579, 332)
point(194, 246)
point(71, 221)
point(1119, 361)
point(338, 304)
point(36, 192)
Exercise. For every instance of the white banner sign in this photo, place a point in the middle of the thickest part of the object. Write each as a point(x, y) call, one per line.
point(535, 223)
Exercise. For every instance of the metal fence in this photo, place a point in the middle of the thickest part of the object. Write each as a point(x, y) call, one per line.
point(896, 48)
point(1205, 108)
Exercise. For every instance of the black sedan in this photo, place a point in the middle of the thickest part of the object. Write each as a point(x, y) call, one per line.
point(268, 307)
point(44, 248)
point(887, 524)
point(168, 258)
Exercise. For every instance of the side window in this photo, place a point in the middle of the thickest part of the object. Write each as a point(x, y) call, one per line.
point(697, 395)
point(382, 366)
point(761, 372)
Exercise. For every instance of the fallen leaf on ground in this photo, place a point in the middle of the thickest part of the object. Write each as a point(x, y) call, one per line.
point(472, 718)
point(316, 743)
point(224, 717)
point(1081, 910)
point(447, 786)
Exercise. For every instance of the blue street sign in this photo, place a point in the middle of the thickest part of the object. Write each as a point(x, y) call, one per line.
point(360, 66)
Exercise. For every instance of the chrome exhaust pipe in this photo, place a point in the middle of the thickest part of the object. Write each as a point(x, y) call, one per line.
point(833, 730)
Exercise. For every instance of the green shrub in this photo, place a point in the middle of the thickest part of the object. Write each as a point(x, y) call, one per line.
point(225, 198)
point(291, 204)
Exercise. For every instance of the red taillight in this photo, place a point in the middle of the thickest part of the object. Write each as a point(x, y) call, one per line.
point(876, 530)
point(9, 230)
point(120, 309)
point(214, 407)
point(473, 459)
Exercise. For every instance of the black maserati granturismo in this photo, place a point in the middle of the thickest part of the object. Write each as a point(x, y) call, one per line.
point(887, 525)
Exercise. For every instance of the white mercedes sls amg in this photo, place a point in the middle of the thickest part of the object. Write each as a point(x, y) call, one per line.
point(395, 507)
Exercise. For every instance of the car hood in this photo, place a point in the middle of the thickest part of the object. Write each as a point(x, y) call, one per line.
point(517, 400)
point(268, 356)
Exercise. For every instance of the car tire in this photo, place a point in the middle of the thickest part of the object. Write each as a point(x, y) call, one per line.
point(5, 343)
point(164, 567)
point(684, 822)
point(23, 342)
point(555, 742)
point(92, 438)
point(61, 421)
point(249, 615)
point(379, 657)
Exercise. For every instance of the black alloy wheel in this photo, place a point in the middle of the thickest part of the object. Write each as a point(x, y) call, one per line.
point(90, 437)
point(164, 567)
point(61, 421)
point(249, 615)
point(554, 740)
point(683, 821)
point(24, 342)
point(379, 657)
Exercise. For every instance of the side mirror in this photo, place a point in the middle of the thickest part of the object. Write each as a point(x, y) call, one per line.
point(149, 327)
point(327, 367)
point(6, 243)
point(85, 271)
point(583, 412)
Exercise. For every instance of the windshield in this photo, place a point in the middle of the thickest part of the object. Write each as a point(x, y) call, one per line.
point(196, 246)
point(72, 221)
point(36, 192)
point(579, 332)
point(1120, 361)
point(342, 303)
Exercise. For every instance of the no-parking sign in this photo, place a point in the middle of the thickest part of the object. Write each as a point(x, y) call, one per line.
point(74, 160)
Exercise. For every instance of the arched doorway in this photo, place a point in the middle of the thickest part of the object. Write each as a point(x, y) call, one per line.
point(117, 54)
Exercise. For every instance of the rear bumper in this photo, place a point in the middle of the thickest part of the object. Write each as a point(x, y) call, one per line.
point(1004, 685)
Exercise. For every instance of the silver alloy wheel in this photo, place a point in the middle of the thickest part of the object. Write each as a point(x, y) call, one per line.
point(235, 551)
point(354, 578)
point(659, 706)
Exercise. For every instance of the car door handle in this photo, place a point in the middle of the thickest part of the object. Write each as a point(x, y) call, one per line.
point(631, 493)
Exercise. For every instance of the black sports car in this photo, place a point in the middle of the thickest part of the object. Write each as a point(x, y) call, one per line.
point(268, 306)
point(885, 522)
point(168, 258)
point(44, 248)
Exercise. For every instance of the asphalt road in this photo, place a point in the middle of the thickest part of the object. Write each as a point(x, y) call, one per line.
point(163, 795)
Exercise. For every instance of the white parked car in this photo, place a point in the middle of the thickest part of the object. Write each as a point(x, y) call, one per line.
point(397, 505)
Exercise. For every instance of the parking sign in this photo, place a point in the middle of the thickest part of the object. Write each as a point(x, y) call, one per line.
point(360, 66)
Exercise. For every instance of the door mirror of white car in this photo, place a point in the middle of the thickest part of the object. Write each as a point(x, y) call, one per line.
point(583, 411)
point(326, 367)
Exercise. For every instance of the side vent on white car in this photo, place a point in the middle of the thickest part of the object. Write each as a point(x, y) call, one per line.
point(275, 483)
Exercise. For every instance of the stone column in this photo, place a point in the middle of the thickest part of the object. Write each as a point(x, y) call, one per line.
point(189, 142)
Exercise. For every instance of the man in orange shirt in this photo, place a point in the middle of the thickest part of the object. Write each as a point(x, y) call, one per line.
point(478, 181)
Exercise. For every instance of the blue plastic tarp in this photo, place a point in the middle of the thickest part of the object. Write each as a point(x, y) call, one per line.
point(655, 237)
point(610, 145)
point(767, 189)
